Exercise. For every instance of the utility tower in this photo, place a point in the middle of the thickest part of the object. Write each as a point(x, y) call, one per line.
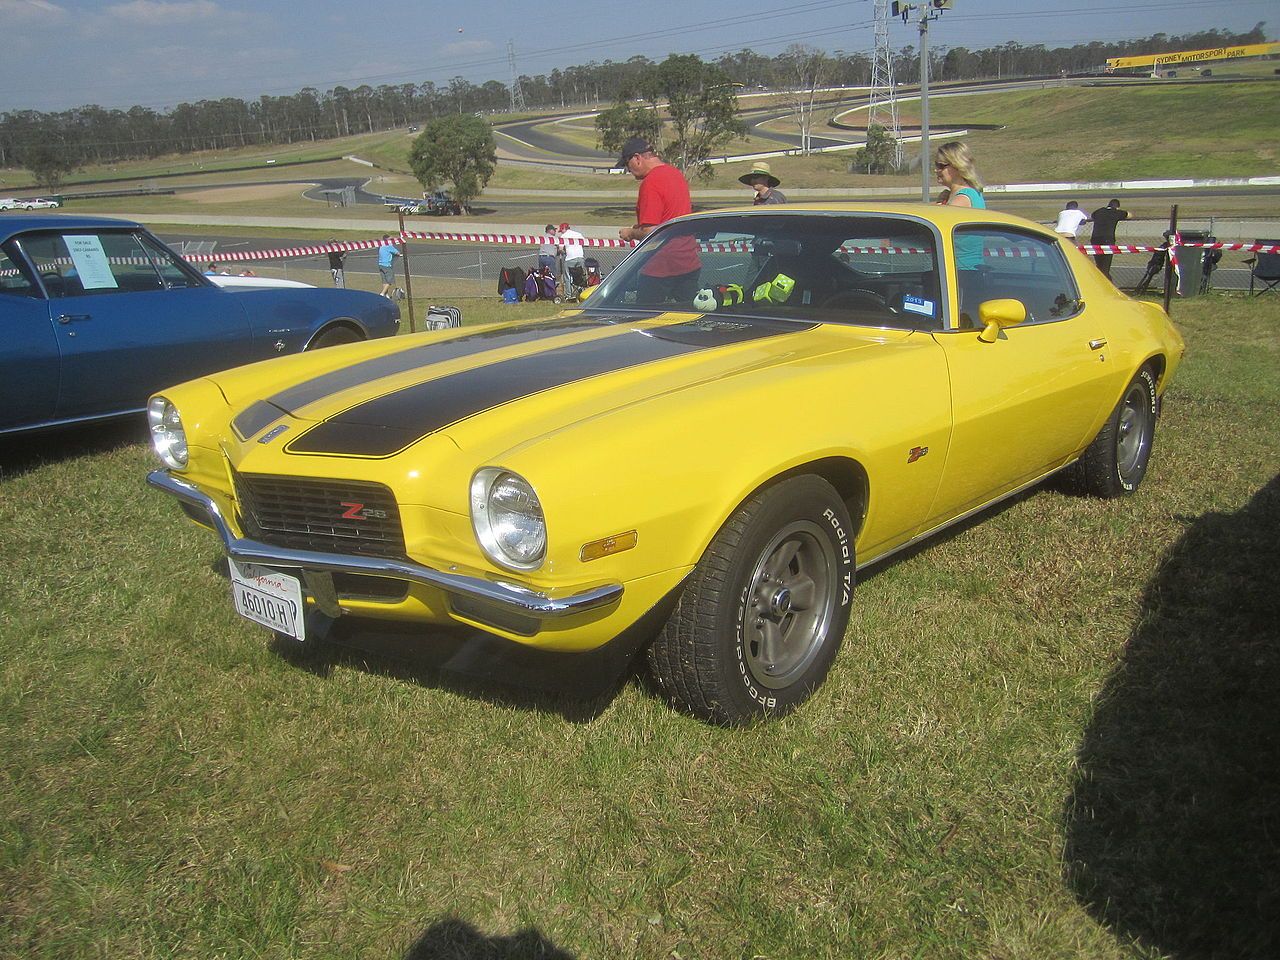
point(883, 102)
point(517, 95)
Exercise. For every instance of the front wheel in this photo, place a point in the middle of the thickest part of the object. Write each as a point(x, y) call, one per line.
point(762, 615)
point(335, 336)
point(1115, 463)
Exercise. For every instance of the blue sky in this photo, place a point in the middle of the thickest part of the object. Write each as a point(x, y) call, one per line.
point(56, 54)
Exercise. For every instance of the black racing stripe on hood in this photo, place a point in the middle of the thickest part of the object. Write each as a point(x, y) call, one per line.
point(388, 424)
point(263, 413)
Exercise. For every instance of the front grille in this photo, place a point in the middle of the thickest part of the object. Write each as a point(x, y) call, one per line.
point(336, 516)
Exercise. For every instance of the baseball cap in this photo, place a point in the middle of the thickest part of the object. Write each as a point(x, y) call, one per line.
point(564, 226)
point(632, 147)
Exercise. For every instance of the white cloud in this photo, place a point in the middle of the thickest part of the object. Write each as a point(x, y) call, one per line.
point(31, 11)
point(167, 12)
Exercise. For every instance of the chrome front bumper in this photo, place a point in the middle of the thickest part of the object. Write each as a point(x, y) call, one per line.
point(507, 597)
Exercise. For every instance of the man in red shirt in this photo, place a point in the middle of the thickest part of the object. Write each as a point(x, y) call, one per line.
point(672, 271)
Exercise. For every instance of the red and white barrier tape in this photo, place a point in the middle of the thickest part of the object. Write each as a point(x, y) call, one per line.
point(527, 240)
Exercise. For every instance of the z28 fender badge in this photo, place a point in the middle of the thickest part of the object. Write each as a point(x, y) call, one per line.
point(273, 433)
point(915, 453)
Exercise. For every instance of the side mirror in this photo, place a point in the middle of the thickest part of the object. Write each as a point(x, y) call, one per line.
point(585, 292)
point(995, 315)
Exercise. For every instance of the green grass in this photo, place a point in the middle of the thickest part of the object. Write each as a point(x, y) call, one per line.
point(1101, 133)
point(1051, 734)
point(1161, 130)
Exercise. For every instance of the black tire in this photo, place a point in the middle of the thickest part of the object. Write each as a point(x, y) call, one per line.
point(1115, 463)
point(779, 574)
point(335, 336)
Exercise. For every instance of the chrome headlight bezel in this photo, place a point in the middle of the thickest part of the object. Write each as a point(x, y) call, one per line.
point(497, 497)
point(168, 438)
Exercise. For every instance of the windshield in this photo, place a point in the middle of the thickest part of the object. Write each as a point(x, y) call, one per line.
point(875, 271)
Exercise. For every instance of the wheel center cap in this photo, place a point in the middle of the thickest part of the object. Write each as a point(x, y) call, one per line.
point(780, 602)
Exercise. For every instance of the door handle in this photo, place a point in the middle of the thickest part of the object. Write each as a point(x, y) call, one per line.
point(71, 317)
point(1098, 344)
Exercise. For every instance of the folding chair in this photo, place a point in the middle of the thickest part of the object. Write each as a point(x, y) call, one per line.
point(1265, 267)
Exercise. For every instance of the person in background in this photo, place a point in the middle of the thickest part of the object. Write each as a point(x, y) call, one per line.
point(548, 250)
point(953, 167)
point(211, 270)
point(672, 272)
point(1104, 232)
point(574, 254)
point(336, 260)
point(387, 253)
point(247, 272)
point(764, 183)
point(1070, 219)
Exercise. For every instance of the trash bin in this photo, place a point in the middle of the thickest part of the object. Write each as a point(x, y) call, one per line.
point(1191, 263)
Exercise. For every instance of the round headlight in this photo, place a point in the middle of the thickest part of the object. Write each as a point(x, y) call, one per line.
point(508, 520)
point(167, 436)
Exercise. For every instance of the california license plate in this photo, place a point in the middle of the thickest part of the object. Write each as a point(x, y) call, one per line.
point(269, 597)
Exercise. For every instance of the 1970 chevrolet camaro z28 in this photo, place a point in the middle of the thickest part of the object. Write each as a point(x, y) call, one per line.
point(696, 460)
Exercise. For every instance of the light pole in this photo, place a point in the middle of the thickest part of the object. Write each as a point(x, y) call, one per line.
point(926, 11)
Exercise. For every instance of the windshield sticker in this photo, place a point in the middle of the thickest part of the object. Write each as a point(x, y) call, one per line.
point(917, 305)
point(90, 262)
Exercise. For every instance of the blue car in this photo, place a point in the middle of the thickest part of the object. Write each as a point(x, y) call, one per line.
point(97, 314)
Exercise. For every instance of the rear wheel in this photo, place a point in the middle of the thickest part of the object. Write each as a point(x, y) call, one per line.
point(1116, 461)
point(761, 617)
point(335, 336)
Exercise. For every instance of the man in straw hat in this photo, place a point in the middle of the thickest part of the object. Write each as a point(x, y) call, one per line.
point(764, 183)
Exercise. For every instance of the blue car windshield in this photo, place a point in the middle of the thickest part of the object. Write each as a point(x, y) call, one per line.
point(866, 270)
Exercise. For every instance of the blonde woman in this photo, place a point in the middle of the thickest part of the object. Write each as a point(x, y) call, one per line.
point(953, 166)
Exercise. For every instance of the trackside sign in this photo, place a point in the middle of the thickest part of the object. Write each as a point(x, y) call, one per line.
point(1193, 56)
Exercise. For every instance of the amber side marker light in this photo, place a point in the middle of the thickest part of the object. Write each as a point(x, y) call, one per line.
point(609, 545)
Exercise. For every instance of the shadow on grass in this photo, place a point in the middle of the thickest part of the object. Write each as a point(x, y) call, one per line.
point(453, 939)
point(1173, 826)
point(22, 454)
point(467, 662)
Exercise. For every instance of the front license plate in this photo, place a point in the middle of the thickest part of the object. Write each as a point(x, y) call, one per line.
point(269, 597)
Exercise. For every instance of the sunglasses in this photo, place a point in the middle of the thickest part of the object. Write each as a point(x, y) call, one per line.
point(941, 166)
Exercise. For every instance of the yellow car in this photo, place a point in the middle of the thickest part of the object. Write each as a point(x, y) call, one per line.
point(692, 463)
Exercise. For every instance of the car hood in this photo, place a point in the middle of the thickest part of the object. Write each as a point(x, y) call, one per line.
point(495, 387)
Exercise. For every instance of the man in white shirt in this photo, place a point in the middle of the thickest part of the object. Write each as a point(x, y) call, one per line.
point(1070, 219)
point(574, 256)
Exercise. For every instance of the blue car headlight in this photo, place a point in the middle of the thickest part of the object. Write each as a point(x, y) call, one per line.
point(167, 436)
point(507, 518)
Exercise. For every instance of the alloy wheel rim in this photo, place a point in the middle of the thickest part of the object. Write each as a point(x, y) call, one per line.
point(788, 607)
point(1134, 433)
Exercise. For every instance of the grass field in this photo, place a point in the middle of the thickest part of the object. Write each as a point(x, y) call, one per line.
point(1100, 133)
point(1183, 130)
point(1049, 734)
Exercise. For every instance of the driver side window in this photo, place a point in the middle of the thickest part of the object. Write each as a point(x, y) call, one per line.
point(994, 264)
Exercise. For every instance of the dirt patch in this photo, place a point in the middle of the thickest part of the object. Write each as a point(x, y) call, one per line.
point(266, 191)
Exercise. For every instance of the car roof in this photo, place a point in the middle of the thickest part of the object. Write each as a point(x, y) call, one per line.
point(12, 224)
point(941, 216)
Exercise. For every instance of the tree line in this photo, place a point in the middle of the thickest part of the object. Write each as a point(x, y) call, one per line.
point(57, 142)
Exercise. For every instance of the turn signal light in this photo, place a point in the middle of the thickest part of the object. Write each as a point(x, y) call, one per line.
point(609, 545)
